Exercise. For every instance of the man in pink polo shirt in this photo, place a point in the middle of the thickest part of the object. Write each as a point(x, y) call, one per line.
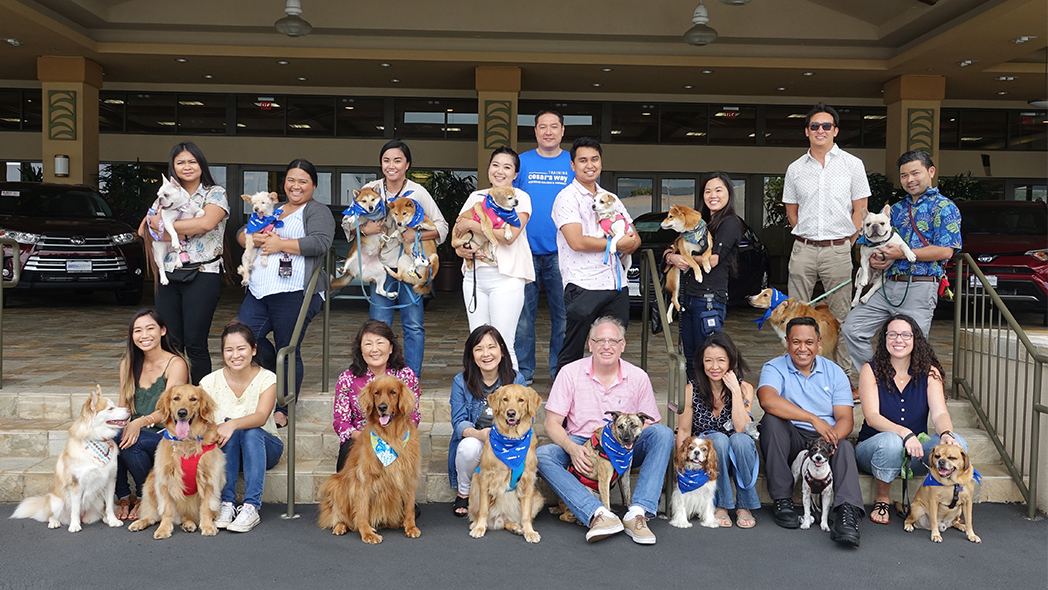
point(583, 391)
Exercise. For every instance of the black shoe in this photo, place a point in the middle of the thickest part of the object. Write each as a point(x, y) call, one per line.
point(845, 528)
point(785, 515)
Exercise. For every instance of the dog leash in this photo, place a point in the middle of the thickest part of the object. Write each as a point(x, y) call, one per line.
point(472, 306)
point(820, 297)
point(618, 257)
point(414, 297)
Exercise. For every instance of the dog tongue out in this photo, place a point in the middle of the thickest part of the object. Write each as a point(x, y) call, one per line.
point(384, 420)
point(181, 428)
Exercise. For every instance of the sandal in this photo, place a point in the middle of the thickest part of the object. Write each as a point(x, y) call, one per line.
point(135, 503)
point(722, 518)
point(744, 518)
point(123, 505)
point(460, 504)
point(880, 514)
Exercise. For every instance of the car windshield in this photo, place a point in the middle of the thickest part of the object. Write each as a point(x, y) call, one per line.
point(55, 204)
point(1004, 220)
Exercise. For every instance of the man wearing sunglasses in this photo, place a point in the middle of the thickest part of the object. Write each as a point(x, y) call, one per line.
point(825, 192)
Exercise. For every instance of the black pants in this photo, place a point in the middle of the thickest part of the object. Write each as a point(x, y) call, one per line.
point(343, 452)
point(781, 441)
point(187, 309)
point(581, 308)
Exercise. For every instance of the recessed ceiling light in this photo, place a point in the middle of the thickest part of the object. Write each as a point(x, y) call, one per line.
point(781, 88)
point(349, 108)
point(606, 69)
point(208, 76)
point(282, 62)
point(395, 81)
point(967, 62)
point(1002, 92)
point(180, 60)
point(13, 41)
point(688, 87)
point(1004, 78)
point(385, 65)
point(596, 84)
point(1023, 39)
point(646, 114)
point(707, 71)
point(302, 78)
point(809, 73)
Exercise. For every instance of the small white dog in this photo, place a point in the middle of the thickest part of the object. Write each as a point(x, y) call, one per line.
point(263, 220)
point(878, 230)
point(696, 467)
point(172, 203)
point(812, 467)
point(612, 222)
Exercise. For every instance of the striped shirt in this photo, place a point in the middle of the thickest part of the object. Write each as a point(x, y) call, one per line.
point(266, 280)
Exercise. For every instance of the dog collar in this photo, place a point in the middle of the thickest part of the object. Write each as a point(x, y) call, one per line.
point(419, 215)
point(385, 453)
point(497, 213)
point(777, 297)
point(512, 452)
point(691, 480)
point(257, 223)
point(817, 485)
point(864, 241)
point(101, 450)
point(357, 209)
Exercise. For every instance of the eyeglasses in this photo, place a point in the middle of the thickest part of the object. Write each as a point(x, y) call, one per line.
point(606, 341)
point(907, 336)
point(825, 126)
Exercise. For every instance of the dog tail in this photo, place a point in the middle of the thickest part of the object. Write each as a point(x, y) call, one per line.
point(35, 507)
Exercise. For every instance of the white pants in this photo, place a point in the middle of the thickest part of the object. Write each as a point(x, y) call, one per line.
point(499, 301)
point(467, 459)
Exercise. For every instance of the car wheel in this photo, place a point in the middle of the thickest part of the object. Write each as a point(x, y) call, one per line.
point(132, 297)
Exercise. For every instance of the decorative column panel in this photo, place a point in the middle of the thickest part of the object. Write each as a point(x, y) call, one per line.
point(497, 92)
point(913, 118)
point(69, 90)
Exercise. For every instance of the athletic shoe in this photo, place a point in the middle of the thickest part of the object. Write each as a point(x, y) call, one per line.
point(637, 528)
point(603, 526)
point(785, 515)
point(247, 518)
point(226, 514)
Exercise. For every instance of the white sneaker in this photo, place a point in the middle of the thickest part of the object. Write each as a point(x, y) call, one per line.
point(226, 514)
point(247, 518)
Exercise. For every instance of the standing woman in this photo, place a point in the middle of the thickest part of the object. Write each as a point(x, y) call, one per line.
point(719, 409)
point(244, 395)
point(486, 367)
point(706, 303)
point(276, 291)
point(394, 161)
point(900, 389)
point(494, 291)
point(150, 365)
point(189, 306)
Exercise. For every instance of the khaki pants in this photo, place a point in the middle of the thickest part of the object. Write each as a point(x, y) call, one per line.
point(833, 266)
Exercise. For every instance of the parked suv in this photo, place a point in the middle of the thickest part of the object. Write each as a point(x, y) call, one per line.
point(69, 240)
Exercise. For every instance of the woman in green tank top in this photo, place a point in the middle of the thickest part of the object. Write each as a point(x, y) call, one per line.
point(150, 365)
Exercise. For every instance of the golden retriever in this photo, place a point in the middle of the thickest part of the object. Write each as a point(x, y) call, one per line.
point(938, 507)
point(494, 502)
point(829, 327)
point(173, 492)
point(695, 454)
point(373, 491)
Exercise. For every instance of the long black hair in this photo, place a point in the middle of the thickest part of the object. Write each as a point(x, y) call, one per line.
point(206, 180)
point(715, 219)
point(471, 372)
point(701, 384)
point(134, 358)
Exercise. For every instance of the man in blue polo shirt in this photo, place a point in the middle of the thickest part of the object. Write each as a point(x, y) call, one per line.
point(805, 396)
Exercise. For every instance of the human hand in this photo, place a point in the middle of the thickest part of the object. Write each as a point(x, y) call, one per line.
point(371, 228)
point(465, 252)
point(130, 435)
point(825, 430)
point(914, 448)
point(885, 256)
point(154, 222)
point(678, 261)
point(731, 381)
point(269, 243)
point(580, 458)
point(408, 235)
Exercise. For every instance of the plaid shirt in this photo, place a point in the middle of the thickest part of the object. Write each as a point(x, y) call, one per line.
point(938, 220)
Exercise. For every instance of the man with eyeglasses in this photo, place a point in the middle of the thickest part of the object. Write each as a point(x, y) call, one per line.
point(825, 192)
point(583, 391)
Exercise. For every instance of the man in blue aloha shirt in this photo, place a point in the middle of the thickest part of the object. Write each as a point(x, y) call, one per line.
point(930, 224)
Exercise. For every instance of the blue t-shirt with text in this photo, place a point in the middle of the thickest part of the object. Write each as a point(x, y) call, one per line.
point(543, 178)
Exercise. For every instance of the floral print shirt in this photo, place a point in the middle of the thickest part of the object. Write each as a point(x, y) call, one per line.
point(938, 220)
point(348, 418)
point(207, 245)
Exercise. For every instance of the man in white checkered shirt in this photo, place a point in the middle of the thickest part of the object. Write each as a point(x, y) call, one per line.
point(825, 193)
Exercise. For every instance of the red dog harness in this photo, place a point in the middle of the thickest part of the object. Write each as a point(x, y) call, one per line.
point(496, 221)
point(189, 470)
point(592, 483)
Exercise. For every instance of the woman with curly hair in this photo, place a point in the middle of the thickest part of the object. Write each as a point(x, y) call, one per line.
point(900, 389)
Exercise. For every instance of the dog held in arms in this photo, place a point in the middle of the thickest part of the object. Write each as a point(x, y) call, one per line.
point(694, 240)
point(172, 203)
point(189, 472)
point(413, 267)
point(946, 495)
point(264, 220)
point(877, 231)
point(487, 213)
point(363, 259)
point(811, 467)
point(376, 486)
point(783, 309)
point(503, 494)
point(85, 475)
point(695, 465)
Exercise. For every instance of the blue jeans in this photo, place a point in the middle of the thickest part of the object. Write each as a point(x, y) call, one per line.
point(136, 460)
point(253, 451)
point(695, 329)
point(652, 453)
point(547, 272)
point(277, 313)
point(881, 455)
point(410, 320)
point(743, 469)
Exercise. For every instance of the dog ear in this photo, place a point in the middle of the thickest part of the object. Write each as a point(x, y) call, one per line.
point(245, 198)
point(680, 457)
point(614, 415)
point(163, 403)
point(406, 399)
point(356, 193)
point(967, 469)
point(646, 418)
point(493, 399)
point(887, 210)
point(710, 465)
point(534, 401)
point(208, 407)
point(274, 197)
point(865, 212)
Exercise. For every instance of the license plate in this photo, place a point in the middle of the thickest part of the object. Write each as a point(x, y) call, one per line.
point(634, 289)
point(78, 266)
point(973, 281)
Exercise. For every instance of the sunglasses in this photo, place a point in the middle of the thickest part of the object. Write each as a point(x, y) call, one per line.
point(825, 126)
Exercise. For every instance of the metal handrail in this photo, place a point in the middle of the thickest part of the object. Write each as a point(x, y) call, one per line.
point(16, 271)
point(972, 318)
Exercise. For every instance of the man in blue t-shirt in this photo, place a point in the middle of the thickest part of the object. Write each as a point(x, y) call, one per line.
point(543, 173)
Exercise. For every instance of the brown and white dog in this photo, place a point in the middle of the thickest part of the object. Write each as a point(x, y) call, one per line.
point(789, 308)
point(414, 268)
point(85, 475)
point(695, 459)
point(363, 259)
point(496, 501)
point(694, 240)
point(938, 507)
point(505, 198)
point(263, 221)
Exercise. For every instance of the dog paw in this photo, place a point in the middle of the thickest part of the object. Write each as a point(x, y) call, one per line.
point(412, 533)
point(114, 522)
point(189, 526)
point(339, 529)
point(908, 527)
point(974, 538)
point(163, 280)
point(138, 525)
point(805, 525)
point(936, 537)
point(75, 527)
point(371, 538)
point(209, 531)
point(164, 532)
point(710, 524)
point(825, 528)
point(477, 531)
point(53, 524)
point(534, 537)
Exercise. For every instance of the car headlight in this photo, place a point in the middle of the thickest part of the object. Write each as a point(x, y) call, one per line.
point(121, 239)
point(20, 236)
point(1041, 255)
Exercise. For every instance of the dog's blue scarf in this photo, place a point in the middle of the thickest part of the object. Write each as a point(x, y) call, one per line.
point(376, 215)
point(929, 480)
point(620, 456)
point(385, 453)
point(507, 215)
point(691, 480)
point(255, 223)
point(695, 236)
point(419, 216)
point(777, 297)
point(512, 452)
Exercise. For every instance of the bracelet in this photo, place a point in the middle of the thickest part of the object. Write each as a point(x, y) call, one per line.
point(908, 437)
point(945, 432)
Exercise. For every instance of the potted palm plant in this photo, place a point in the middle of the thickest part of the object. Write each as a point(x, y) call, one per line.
point(450, 191)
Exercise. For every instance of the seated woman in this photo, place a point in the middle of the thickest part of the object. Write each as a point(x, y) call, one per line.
point(486, 367)
point(244, 395)
point(150, 365)
point(900, 389)
point(719, 408)
point(375, 352)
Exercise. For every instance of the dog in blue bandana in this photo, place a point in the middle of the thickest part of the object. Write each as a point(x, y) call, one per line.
point(363, 259)
point(946, 495)
point(419, 261)
point(263, 220)
point(695, 485)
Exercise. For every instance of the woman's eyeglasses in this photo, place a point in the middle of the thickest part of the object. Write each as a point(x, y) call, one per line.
point(907, 336)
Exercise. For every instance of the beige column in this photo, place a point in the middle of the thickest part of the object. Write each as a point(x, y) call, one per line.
point(913, 118)
point(69, 88)
point(497, 92)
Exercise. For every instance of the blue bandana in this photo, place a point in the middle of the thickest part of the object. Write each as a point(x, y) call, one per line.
point(512, 452)
point(357, 209)
point(420, 215)
point(507, 215)
point(383, 451)
point(256, 224)
point(691, 480)
point(696, 235)
point(929, 480)
point(777, 298)
point(620, 456)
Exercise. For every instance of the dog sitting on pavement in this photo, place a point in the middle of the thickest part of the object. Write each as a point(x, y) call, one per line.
point(782, 309)
point(695, 466)
point(946, 495)
point(264, 220)
point(694, 240)
point(811, 467)
point(877, 231)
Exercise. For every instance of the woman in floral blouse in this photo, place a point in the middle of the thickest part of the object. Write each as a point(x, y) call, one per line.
point(375, 352)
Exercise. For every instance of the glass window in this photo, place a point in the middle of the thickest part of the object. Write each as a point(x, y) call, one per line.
point(461, 117)
point(418, 118)
point(874, 127)
point(202, 114)
point(111, 112)
point(150, 113)
point(581, 119)
point(739, 187)
point(351, 181)
point(10, 110)
point(850, 127)
point(361, 117)
point(218, 174)
point(784, 126)
point(948, 125)
point(635, 194)
point(983, 129)
point(323, 191)
point(634, 123)
point(683, 124)
point(677, 191)
point(260, 115)
point(14, 170)
point(733, 125)
point(526, 110)
point(32, 111)
point(1028, 130)
point(310, 116)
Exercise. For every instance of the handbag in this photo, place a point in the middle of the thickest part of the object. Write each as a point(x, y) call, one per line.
point(188, 272)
